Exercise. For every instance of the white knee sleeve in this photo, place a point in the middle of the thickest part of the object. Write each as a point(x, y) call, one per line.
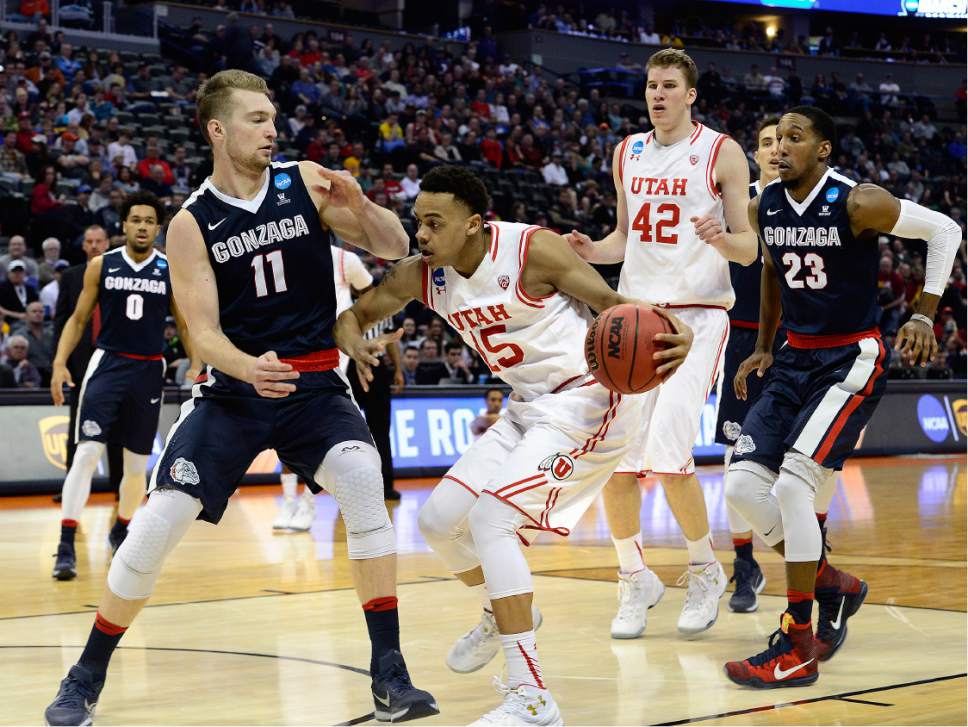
point(494, 526)
point(353, 473)
point(748, 491)
point(825, 493)
point(77, 484)
point(443, 524)
point(796, 487)
point(153, 532)
point(737, 523)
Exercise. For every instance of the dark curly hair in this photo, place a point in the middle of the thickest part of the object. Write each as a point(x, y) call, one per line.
point(823, 124)
point(146, 199)
point(460, 182)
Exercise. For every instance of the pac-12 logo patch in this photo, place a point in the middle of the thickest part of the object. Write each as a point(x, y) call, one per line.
point(694, 159)
point(184, 473)
point(559, 465)
point(832, 194)
point(504, 281)
point(283, 181)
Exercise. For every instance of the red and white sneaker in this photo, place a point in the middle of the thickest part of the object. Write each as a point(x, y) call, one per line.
point(789, 662)
point(839, 595)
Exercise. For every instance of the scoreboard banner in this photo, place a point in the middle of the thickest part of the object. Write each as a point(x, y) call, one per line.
point(430, 429)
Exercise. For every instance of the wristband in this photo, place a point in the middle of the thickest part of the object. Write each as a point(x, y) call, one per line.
point(923, 318)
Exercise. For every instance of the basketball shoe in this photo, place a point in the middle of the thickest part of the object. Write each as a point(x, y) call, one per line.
point(839, 595)
point(395, 698)
point(65, 567)
point(790, 661)
point(637, 593)
point(475, 649)
point(750, 582)
point(525, 704)
point(286, 513)
point(302, 519)
point(75, 700)
point(706, 585)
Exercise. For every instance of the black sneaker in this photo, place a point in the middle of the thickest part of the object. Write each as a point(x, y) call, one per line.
point(117, 535)
point(395, 698)
point(75, 700)
point(65, 567)
point(393, 495)
point(749, 582)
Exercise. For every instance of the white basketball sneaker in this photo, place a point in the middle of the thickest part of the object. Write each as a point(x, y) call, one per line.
point(305, 512)
point(706, 584)
point(477, 647)
point(286, 513)
point(524, 704)
point(637, 593)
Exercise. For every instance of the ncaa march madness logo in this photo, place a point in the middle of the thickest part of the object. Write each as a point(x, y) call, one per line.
point(53, 438)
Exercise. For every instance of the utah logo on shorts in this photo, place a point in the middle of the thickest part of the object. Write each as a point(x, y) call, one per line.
point(559, 465)
point(745, 444)
point(731, 430)
point(90, 428)
point(184, 473)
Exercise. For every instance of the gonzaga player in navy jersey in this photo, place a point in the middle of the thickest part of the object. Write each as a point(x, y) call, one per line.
point(129, 292)
point(252, 271)
point(819, 237)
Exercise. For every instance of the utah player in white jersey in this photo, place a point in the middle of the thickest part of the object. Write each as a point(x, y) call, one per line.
point(349, 274)
point(678, 187)
point(519, 295)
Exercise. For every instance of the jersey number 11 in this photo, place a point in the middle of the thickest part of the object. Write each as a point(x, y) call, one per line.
point(278, 273)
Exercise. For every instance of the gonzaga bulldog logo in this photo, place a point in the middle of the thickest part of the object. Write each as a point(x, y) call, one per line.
point(559, 465)
point(184, 473)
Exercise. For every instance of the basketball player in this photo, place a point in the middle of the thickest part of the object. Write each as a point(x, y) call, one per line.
point(819, 233)
point(678, 188)
point(120, 396)
point(518, 295)
point(349, 274)
point(252, 272)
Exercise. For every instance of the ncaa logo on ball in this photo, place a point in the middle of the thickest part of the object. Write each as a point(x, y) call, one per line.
point(283, 181)
point(832, 194)
point(615, 337)
point(559, 465)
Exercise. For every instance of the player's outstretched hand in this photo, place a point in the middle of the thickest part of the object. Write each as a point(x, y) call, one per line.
point(580, 243)
point(269, 376)
point(916, 342)
point(709, 230)
point(364, 352)
point(339, 189)
point(677, 345)
point(760, 361)
point(60, 377)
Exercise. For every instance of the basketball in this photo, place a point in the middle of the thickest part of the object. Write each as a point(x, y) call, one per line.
point(619, 347)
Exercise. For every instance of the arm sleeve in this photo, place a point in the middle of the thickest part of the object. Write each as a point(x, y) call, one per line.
point(943, 236)
point(356, 273)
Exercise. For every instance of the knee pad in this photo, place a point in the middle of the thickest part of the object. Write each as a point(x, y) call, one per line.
point(153, 532)
point(749, 492)
point(87, 455)
point(815, 475)
point(354, 476)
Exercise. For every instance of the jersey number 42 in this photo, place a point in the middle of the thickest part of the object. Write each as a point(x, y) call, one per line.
point(667, 217)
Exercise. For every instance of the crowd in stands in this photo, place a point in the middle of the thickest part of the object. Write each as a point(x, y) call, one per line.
point(84, 127)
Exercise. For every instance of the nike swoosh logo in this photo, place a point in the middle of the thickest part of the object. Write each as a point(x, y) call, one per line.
point(155, 401)
point(767, 533)
point(385, 701)
point(212, 227)
point(779, 673)
point(835, 624)
point(113, 270)
point(770, 213)
point(88, 706)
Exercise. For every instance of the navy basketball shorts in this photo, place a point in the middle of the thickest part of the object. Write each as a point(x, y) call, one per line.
point(120, 401)
point(226, 424)
point(730, 411)
point(817, 401)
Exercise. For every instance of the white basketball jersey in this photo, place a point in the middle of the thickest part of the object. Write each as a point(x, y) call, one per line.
point(348, 273)
point(535, 345)
point(665, 262)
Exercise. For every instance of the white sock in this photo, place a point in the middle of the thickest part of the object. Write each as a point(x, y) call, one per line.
point(630, 558)
point(700, 551)
point(290, 481)
point(521, 655)
point(481, 591)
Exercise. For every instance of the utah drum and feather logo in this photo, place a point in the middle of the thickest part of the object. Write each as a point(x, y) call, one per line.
point(559, 465)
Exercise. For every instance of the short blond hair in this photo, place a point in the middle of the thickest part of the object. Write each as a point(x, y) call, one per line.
point(675, 58)
point(214, 96)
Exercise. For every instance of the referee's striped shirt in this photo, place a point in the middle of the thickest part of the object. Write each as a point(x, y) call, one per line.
point(385, 326)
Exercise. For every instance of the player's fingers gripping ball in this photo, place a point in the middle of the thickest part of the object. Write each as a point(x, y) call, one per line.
point(619, 347)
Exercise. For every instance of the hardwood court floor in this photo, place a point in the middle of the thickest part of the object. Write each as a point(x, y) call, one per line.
point(251, 627)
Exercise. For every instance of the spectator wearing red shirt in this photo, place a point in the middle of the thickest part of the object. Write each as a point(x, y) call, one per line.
point(317, 149)
point(42, 199)
point(890, 295)
point(480, 106)
point(391, 185)
point(25, 134)
point(151, 159)
point(491, 149)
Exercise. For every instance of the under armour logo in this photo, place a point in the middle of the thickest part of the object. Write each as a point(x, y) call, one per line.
point(350, 448)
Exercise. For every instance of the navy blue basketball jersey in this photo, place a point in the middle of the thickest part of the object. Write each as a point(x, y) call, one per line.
point(133, 301)
point(828, 277)
point(273, 265)
point(746, 285)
